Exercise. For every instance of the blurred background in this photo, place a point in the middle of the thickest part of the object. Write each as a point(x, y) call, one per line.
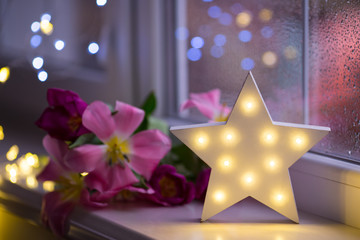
point(304, 55)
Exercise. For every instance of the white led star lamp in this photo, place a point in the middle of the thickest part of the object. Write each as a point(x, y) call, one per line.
point(250, 154)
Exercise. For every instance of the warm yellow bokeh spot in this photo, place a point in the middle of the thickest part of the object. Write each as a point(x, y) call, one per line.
point(46, 27)
point(265, 15)
point(84, 174)
point(31, 182)
point(49, 186)
point(4, 74)
point(32, 160)
point(1, 133)
point(24, 166)
point(243, 19)
point(13, 152)
point(290, 52)
point(269, 58)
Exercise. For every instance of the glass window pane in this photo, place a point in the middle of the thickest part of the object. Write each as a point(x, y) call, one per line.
point(226, 39)
point(335, 74)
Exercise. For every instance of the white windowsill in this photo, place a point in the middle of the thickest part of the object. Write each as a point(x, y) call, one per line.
point(327, 187)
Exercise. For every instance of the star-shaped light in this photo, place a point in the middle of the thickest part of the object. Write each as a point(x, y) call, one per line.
point(250, 154)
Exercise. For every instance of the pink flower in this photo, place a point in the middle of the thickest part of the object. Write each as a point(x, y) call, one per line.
point(110, 165)
point(208, 104)
point(62, 119)
point(57, 205)
point(170, 187)
point(201, 184)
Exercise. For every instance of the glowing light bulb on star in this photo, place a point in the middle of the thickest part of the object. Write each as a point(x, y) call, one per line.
point(249, 106)
point(219, 196)
point(269, 137)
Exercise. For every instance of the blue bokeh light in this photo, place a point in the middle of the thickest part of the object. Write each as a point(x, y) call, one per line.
point(267, 32)
point(35, 41)
point(207, 0)
point(181, 33)
point(214, 12)
point(247, 64)
point(220, 40)
point(245, 36)
point(217, 51)
point(194, 54)
point(197, 42)
point(225, 19)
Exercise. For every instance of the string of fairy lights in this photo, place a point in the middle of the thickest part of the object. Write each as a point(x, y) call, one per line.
point(43, 29)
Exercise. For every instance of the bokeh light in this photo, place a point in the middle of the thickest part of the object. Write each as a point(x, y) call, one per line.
point(181, 33)
point(265, 15)
point(42, 76)
point(35, 26)
point(35, 41)
point(194, 54)
point(13, 152)
point(214, 12)
point(93, 48)
point(245, 36)
point(101, 3)
point(46, 17)
point(59, 45)
point(269, 58)
point(38, 62)
point(217, 51)
point(225, 19)
point(247, 64)
point(290, 52)
point(267, 32)
point(243, 19)
point(220, 40)
point(31, 182)
point(207, 0)
point(197, 42)
point(49, 186)
point(46, 27)
point(2, 135)
point(4, 74)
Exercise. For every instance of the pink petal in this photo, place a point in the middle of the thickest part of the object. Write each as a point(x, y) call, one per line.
point(121, 177)
point(55, 213)
point(127, 119)
point(207, 103)
point(211, 97)
point(51, 172)
point(144, 166)
point(56, 149)
point(150, 144)
point(85, 158)
point(97, 118)
point(109, 180)
point(87, 200)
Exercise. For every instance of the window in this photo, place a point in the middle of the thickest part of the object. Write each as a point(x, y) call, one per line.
point(302, 53)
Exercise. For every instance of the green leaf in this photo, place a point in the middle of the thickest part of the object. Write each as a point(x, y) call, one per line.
point(156, 123)
point(149, 105)
point(88, 138)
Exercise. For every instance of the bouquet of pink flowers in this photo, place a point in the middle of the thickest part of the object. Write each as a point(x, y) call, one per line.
point(98, 153)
